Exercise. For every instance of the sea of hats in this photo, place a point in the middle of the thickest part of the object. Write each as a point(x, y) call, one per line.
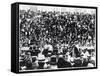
point(54, 39)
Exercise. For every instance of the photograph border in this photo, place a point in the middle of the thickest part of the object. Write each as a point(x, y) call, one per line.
point(16, 27)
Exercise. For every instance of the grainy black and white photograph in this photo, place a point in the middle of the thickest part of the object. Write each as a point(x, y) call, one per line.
point(53, 37)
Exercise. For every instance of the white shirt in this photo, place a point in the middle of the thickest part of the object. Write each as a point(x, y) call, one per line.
point(41, 56)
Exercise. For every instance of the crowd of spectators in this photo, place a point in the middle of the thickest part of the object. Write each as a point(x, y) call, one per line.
point(55, 39)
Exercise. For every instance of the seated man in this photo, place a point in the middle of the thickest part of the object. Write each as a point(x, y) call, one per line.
point(47, 49)
point(41, 59)
point(22, 62)
point(77, 63)
point(34, 62)
point(47, 63)
point(53, 60)
point(62, 63)
point(28, 61)
point(85, 62)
